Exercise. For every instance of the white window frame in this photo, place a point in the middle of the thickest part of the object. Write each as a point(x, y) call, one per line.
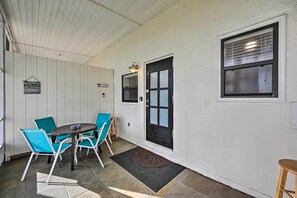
point(281, 61)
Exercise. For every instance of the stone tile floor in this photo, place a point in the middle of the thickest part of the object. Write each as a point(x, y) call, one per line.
point(90, 180)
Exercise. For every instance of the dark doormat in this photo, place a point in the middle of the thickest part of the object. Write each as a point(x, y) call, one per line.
point(151, 169)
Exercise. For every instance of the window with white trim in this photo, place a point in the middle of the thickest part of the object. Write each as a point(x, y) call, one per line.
point(249, 63)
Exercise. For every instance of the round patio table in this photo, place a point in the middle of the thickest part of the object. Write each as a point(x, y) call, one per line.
point(63, 130)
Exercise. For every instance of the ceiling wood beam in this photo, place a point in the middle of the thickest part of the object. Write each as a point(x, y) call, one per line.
point(57, 50)
point(113, 11)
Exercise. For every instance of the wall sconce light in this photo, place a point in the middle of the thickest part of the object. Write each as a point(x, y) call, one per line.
point(134, 67)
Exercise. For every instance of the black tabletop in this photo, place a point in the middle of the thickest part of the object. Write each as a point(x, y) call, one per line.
point(84, 127)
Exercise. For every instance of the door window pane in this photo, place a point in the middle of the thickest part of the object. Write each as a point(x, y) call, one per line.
point(154, 116)
point(164, 98)
point(249, 80)
point(154, 98)
point(164, 117)
point(164, 79)
point(154, 80)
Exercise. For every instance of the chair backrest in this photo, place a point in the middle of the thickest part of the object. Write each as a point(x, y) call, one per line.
point(101, 119)
point(47, 124)
point(104, 131)
point(37, 140)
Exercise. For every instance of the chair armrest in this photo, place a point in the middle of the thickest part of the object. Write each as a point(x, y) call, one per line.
point(99, 131)
point(60, 146)
point(85, 138)
point(82, 138)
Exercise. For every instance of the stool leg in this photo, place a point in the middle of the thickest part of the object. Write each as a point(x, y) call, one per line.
point(281, 183)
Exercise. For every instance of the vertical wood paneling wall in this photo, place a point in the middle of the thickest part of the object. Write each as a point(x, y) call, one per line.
point(69, 93)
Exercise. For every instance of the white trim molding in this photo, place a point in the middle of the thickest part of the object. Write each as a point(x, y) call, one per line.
point(281, 61)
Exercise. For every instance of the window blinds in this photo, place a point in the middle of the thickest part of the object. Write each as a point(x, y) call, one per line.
point(250, 48)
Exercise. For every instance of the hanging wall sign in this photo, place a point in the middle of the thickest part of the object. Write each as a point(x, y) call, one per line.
point(32, 87)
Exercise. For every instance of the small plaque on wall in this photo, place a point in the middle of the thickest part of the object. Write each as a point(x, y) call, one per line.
point(32, 87)
point(105, 85)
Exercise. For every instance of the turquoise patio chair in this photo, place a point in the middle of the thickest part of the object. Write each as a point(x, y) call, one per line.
point(40, 144)
point(93, 143)
point(101, 119)
point(48, 124)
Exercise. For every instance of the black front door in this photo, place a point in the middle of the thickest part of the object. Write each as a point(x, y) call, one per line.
point(159, 104)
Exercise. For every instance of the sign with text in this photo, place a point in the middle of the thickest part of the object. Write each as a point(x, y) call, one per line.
point(32, 87)
point(105, 85)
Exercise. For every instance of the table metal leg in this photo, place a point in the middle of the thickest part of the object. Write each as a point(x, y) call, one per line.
point(72, 151)
point(96, 136)
point(49, 159)
point(100, 150)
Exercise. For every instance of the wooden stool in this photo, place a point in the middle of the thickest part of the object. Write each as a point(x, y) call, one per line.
point(286, 165)
point(113, 129)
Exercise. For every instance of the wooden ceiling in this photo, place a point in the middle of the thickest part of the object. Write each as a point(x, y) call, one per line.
point(75, 30)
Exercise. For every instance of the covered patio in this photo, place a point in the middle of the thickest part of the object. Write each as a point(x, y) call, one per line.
point(208, 87)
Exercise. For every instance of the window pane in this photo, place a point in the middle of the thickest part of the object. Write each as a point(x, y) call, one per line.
point(154, 98)
point(130, 81)
point(154, 80)
point(154, 116)
point(130, 95)
point(129, 88)
point(164, 79)
point(253, 80)
point(164, 117)
point(164, 98)
point(250, 48)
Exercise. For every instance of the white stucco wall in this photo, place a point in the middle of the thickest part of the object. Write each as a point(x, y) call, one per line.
point(237, 143)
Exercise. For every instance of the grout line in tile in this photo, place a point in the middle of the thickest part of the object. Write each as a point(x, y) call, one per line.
point(194, 190)
point(171, 189)
point(183, 176)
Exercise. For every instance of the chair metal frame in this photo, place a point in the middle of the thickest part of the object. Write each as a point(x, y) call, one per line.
point(55, 153)
point(103, 129)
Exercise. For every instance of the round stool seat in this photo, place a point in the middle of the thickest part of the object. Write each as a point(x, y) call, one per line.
point(286, 165)
point(289, 164)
